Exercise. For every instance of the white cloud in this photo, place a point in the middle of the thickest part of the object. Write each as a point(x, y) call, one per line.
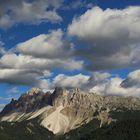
point(110, 37)
point(132, 80)
point(101, 83)
point(36, 60)
point(44, 84)
point(16, 76)
point(23, 77)
point(114, 86)
point(96, 24)
point(49, 51)
point(111, 87)
point(85, 82)
point(50, 45)
point(28, 62)
point(76, 81)
point(98, 78)
point(35, 12)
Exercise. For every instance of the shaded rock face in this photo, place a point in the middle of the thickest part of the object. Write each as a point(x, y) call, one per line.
point(30, 101)
point(8, 108)
point(69, 109)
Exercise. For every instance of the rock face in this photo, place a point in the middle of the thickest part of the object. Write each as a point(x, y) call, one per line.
point(30, 101)
point(64, 110)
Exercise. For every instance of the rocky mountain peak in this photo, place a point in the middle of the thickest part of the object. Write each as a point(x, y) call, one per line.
point(34, 91)
point(28, 102)
point(13, 100)
point(67, 109)
point(59, 91)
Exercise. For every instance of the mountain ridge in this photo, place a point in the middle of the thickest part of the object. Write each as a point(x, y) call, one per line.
point(64, 110)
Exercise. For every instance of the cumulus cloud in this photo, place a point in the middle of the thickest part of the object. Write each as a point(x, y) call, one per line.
point(27, 70)
point(110, 38)
point(15, 76)
point(101, 83)
point(98, 78)
point(85, 82)
point(51, 45)
point(20, 61)
point(115, 85)
point(76, 81)
point(37, 58)
point(32, 12)
point(23, 77)
point(111, 87)
point(107, 39)
point(132, 80)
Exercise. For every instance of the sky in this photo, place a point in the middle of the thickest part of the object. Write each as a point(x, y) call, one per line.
point(90, 44)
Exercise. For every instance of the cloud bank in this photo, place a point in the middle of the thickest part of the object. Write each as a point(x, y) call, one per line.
point(111, 37)
point(95, 42)
point(13, 12)
point(102, 83)
point(35, 58)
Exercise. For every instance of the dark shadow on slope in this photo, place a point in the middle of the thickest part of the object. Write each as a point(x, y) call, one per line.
point(127, 128)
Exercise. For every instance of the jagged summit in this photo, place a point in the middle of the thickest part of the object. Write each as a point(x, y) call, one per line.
point(59, 90)
point(34, 90)
point(35, 99)
point(66, 109)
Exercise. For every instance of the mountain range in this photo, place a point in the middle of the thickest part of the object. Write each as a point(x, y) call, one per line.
point(70, 114)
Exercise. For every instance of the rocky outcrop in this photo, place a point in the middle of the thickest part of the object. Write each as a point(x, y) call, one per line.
point(64, 110)
point(28, 102)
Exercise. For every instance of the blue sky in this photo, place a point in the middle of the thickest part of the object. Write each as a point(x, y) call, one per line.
point(85, 39)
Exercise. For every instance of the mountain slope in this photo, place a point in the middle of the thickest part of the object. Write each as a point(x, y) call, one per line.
point(25, 130)
point(129, 128)
point(30, 130)
point(65, 110)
